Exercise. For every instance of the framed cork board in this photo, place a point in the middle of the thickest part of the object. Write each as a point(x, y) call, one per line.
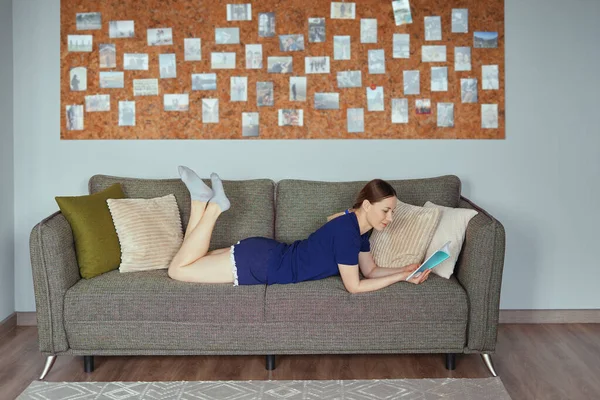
point(311, 69)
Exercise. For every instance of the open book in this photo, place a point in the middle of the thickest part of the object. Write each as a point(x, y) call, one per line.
point(433, 260)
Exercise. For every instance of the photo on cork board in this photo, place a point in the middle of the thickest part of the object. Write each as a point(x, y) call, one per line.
point(210, 111)
point(135, 61)
point(489, 116)
point(439, 79)
point(97, 103)
point(112, 80)
point(192, 49)
point(222, 60)
point(341, 47)
point(254, 56)
point(78, 79)
point(433, 28)
point(291, 42)
point(238, 88)
point(433, 53)
point(88, 21)
point(316, 65)
point(227, 35)
point(460, 20)
point(462, 58)
point(160, 37)
point(412, 82)
point(266, 24)
point(145, 87)
point(375, 99)
point(349, 79)
point(280, 65)
point(343, 10)
point(423, 106)
point(401, 45)
point(204, 81)
point(108, 55)
point(399, 111)
point(291, 117)
point(468, 90)
point(445, 115)
point(376, 61)
point(355, 120)
point(297, 88)
point(121, 29)
point(126, 113)
point(402, 13)
point(80, 43)
point(264, 94)
point(490, 77)
point(168, 66)
point(239, 12)
point(176, 102)
point(250, 124)
point(316, 30)
point(327, 101)
point(74, 117)
point(368, 30)
point(485, 40)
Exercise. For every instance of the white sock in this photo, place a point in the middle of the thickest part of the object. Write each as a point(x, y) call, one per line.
point(219, 193)
point(197, 188)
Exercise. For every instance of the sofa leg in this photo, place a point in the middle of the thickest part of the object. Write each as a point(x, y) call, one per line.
point(88, 364)
point(450, 361)
point(270, 362)
point(49, 363)
point(487, 359)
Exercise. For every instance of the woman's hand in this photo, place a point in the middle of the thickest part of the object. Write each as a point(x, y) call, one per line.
point(420, 277)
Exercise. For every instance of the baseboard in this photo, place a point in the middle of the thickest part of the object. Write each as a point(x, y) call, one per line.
point(506, 317)
point(8, 323)
point(550, 316)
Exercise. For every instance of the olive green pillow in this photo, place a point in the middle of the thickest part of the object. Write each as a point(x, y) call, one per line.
point(96, 241)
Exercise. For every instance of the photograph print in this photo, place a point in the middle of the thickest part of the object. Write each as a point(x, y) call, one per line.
point(433, 28)
point(489, 116)
point(176, 102)
point(266, 24)
point(468, 90)
point(423, 106)
point(401, 45)
point(291, 42)
point(135, 61)
point(412, 82)
point(204, 81)
point(254, 56)
point(264, 94)
point(341, 47)
point(316, 65)
point(297, 88)
point(167, 65)
point(327, 101)
point(462, 58)
point(222, 60)
point(439, 79)
point(250, 124)
point(485, 40)
point(460, 20)
point(316, 30)
point(445, 115)
point(376, 61)
point(349, 79)
point(375, 99)
point(80, 43)
point(121, 29)
point(89, 21)
point(399, 111)
point(160, 37)
point(126, 113)
point(108, 55)
point(433, 53)
point(227, 35)
point(490, 78)
point(97, 103)
point(291, 118)
point(239, 12)
point(112, 80)
point(368, 30)
point(355, 120)
point(74, 117)
point(78, 77)
point(402, 14)
point(343, 10)
point(279, 65)
point(210, 111)
point(238, 88)
point(192, 49)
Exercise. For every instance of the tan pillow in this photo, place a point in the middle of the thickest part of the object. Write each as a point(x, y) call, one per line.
point(452, 227)
point(405, 240)
point(149, 230)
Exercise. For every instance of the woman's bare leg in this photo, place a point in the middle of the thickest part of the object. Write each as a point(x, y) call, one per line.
point(196, 243)
point(214, 268)
point(196, 211)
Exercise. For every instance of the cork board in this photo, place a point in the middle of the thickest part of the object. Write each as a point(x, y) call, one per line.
point(199, 18)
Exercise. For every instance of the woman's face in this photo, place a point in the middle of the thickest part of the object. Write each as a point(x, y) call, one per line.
point(380, 214)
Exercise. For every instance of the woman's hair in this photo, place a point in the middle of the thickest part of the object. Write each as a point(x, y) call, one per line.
point(374, 191)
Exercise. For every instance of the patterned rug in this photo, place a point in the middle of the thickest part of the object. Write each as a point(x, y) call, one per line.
point(404, 389)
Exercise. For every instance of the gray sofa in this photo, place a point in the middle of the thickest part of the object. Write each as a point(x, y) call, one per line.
point(147, 313)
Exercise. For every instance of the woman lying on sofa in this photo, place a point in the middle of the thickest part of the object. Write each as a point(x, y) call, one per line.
point(339, 247)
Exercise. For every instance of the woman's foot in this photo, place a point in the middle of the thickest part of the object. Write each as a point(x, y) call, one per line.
point(219, 197)
point(197, 188)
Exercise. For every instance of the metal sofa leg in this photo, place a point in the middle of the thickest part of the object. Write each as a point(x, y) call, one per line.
point(451, 361)
point(88, 364)
point(487, 359)
point(270, 362)
point(49, 363)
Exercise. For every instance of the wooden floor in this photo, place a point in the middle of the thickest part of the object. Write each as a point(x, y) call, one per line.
point(534, 361)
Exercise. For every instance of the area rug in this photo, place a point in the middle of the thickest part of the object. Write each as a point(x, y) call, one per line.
point(404, 389)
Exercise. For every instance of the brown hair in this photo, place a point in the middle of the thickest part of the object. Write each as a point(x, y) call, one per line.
point(374, 191)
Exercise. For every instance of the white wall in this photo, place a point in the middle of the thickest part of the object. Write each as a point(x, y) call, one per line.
point(541, 182)
point(7, 192)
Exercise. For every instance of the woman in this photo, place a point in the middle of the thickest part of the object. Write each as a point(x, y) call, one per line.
point(339, 247)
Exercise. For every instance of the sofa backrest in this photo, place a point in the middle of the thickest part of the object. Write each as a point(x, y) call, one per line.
point(252, 204)
point(303, 206)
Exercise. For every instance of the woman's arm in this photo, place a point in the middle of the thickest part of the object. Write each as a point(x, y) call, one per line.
point(370, 270)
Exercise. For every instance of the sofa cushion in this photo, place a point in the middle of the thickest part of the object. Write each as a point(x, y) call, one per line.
point(303, 206)
point(251, 212)
point(437, 299)
point(151, 296)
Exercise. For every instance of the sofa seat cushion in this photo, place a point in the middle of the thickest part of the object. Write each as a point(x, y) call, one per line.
point(437, 299)
point(149, 296)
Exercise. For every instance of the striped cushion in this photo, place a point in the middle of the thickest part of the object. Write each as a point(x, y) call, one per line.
point(406, 239)
point(149, 231)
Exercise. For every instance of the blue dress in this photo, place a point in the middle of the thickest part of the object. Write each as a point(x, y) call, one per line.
point(260, 260)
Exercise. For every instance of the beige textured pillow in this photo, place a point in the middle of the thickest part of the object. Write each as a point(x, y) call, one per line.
point(405, 240)
point(149, 230)
point(453, 227)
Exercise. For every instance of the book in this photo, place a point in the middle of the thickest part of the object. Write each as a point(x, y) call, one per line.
point(442, 254)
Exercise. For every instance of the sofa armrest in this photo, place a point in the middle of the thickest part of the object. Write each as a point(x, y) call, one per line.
point(55, 270)
point(480, 265)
